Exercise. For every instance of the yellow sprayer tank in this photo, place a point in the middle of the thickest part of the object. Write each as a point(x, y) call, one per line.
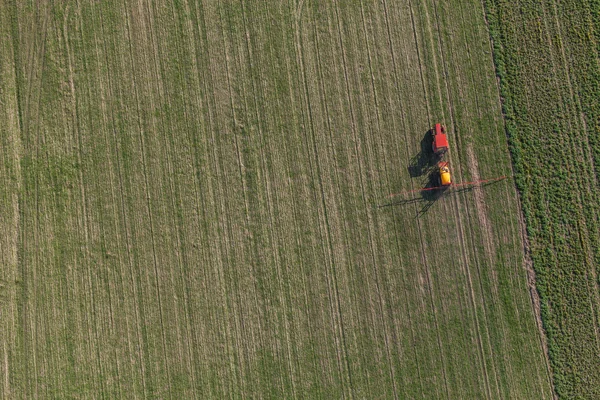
point(445, 177)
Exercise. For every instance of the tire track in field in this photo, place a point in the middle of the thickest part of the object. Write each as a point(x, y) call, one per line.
point(107, 117)
point(353, 122)
point(461, 235)
point(6, 372)
point(336, 179)
point(296, 217)
point(305, 292)
point(92, 327)
point(479, 201)
point(370, 231)
point(10, 245)
point(201, 206)
point(461, 230)
point(418, 222)
point(255, 343)
point(290, 63)
point(389, 185)
point(296, 213)
point(478, 197)
point(143, 353)
point(253, 244)
point(158, 78)
point(377, 279)
point(480, 206)
point(396, 230)
point(299, 9)
point(473, 166)
point(527, 261)
point(190, 319)
point(183, 332)
point(33, 63)
point(140, 350)
point(333, 289)
point(148, 203)
point(27, 324)
point(583, 139)
point(230, 328)
point(269, 195)
point(557, 67)
point(327, 123)
point(103, 300)
point(425, 260)
point(245, 347)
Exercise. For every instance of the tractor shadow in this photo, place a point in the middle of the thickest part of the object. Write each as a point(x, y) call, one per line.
point(427, 196)
point(432, 193)
point(425, 160)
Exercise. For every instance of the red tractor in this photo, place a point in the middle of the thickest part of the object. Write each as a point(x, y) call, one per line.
point(440, 142)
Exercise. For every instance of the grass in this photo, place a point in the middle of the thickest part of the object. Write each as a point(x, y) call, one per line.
point(192, 194)
point(550, 91)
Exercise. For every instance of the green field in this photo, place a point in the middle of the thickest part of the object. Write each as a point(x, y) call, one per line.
point(551, 86)
point(195, 204)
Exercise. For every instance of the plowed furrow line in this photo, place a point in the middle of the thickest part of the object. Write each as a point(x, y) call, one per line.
point(84, 223)
point(569, 107)
point(336, 187)
point(479, 201)
point(589, 186)
point(160, 126)
point(397, 231)
point(125, 260)
point(333, 291)
point(212, 202)
point(107, 118)
point(361, 169)
point(509, 197)
point(372, 233)
point(270, 192)
point(31, 205)
point(129, 225)
point(173, 192)
point(291, 62)
point(457, 208)
point(419, 227)
point(185, 260)
point(148, 197)
point(244, 316)
point(219, 197)
point(10, 212)
point(247, 322)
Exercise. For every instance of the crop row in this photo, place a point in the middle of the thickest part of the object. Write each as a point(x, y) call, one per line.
point(549, 85)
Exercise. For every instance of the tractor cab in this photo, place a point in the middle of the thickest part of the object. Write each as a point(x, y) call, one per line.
point(440, 142)
point(445, 177)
